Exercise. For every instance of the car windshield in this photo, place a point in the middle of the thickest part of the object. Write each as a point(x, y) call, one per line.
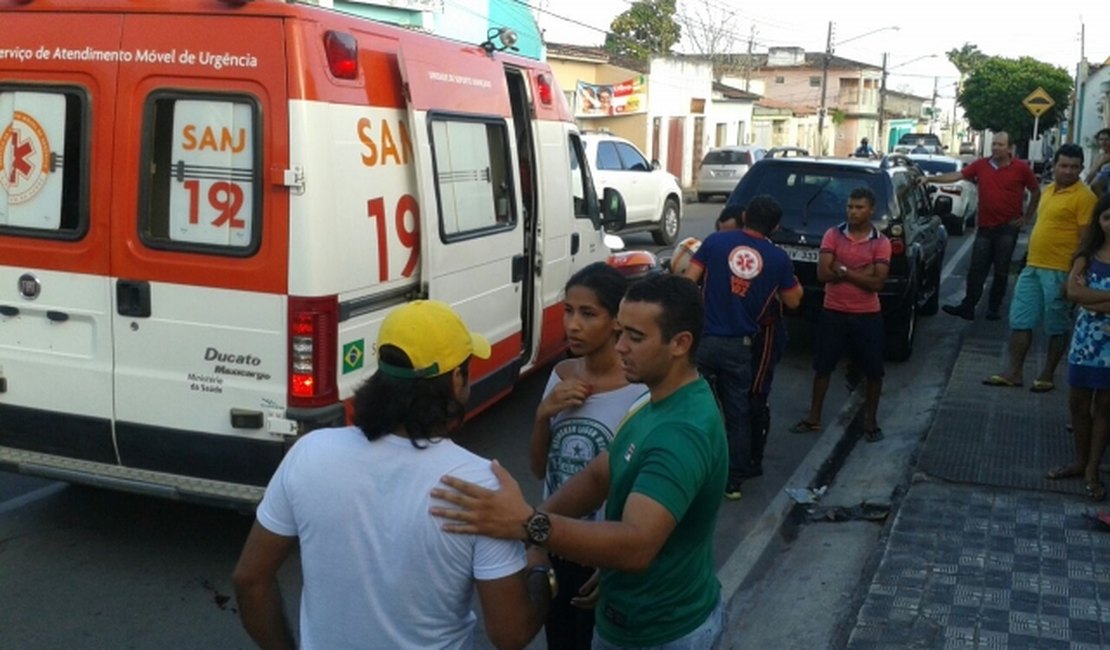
point(813, 197)
point(928, 139)
point(932, 167)
point(728, 157)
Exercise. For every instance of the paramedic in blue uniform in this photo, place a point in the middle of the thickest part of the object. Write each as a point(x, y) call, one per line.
point(743, 276)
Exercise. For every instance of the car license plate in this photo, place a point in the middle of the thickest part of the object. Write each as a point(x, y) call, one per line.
point(799, 254)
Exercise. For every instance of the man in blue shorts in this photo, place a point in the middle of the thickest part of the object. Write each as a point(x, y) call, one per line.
point(1064, 209)
point(853, 264)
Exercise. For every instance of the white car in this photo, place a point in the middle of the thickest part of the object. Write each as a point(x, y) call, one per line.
point(652, 197)
point(722, 168)
point(964, 194)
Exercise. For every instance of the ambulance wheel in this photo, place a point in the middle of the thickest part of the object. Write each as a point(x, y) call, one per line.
point(667, 234)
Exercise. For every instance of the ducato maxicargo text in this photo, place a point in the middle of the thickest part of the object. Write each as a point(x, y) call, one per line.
point(208, 208)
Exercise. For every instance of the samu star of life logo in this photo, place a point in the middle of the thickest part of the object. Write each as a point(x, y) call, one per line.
point(24, 158)
point(745, 262)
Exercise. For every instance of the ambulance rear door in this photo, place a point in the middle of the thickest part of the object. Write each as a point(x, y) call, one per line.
point(466, 166)
point(199, 256)
point(57, 72)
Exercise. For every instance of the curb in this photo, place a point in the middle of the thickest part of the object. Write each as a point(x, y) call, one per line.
point(746, 562)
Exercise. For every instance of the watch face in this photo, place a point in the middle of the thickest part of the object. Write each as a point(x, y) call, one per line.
point(538, 528)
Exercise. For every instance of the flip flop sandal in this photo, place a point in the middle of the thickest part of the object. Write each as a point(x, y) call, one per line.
point(803, 426)
point(1041, 386)
point(874, 435)
point(1062, 472)
point(1000, 381)
point(1096, 491)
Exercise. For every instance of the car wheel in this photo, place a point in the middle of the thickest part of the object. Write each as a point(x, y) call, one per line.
point(955, 226)
point(899, 344)
point(933, 303)
point(702, 197)
point(667, 234)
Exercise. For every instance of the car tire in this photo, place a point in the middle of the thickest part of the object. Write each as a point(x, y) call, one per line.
point(899, 343)
point(702, 197)
point(955, 226)
point(669, 224)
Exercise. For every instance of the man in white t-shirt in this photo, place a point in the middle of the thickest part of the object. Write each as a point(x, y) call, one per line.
point(378, 571)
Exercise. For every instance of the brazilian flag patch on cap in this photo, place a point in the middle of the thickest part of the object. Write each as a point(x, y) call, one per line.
point(353, 355)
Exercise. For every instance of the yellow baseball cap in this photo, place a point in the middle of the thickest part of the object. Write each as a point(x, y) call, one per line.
point(433, 336)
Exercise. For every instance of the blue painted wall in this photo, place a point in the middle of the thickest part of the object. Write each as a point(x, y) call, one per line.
point(464, 20)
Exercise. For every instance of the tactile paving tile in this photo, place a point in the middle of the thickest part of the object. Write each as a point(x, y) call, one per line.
point(1006, 437)
point(977, 568)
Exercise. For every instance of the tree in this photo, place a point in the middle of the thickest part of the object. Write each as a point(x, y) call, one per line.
point(992, 96)
point(710, 30)
point(966, 59)
point(646, 29)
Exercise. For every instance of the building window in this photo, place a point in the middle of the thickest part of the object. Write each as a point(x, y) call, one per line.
point(780, 80)
point(815, 82)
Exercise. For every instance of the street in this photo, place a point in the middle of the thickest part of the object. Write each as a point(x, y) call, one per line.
point(82, 567)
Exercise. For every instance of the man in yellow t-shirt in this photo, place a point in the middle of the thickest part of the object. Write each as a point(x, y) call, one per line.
point(1064, 209)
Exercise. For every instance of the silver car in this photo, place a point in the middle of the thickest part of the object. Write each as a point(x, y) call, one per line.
point(722, 168)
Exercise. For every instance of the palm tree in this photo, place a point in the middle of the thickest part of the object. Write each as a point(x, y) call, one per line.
point(966, 59)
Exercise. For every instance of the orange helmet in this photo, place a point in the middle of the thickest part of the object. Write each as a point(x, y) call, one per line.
point(634, 264)
point(684, 254)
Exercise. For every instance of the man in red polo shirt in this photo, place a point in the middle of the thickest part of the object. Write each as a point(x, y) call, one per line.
point(1002, 181)
point(854, 263)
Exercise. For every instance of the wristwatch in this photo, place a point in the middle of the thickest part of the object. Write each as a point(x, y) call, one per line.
point(537, 528)
point(841, 270)
point(552, 581)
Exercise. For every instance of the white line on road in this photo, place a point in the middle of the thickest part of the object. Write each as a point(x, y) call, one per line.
point(29, 498)
point(955, 259)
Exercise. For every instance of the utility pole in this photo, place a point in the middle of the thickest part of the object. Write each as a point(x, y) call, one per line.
point(748, 64)
point(933, 108)
point(824, 85)
point(1080, 87)
point(882, 109)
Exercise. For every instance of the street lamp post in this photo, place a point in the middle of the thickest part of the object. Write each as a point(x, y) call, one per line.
point(882, 107)
point(830, 47)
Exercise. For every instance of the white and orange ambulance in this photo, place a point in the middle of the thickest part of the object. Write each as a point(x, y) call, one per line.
point(207, 207)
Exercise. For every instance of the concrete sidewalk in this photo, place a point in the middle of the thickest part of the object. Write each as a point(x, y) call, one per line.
point(984, 551)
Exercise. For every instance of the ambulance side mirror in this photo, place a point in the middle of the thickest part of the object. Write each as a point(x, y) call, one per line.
point(613, 210)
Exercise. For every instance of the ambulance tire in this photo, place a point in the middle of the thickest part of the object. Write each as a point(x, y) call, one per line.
point(669, 224)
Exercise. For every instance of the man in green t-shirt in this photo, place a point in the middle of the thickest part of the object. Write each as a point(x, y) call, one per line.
point(661, 482)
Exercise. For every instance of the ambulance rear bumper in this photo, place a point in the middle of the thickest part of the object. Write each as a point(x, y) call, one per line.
point(129, 479)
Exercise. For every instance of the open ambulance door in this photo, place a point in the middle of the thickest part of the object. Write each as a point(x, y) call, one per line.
point(473, 228)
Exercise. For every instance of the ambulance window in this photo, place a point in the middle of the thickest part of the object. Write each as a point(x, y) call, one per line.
point(581, 185)
point(43, 162)
point(472, 168)
point(202, 186)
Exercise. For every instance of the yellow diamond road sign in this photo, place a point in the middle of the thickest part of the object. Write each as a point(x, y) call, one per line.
point(1038, 102)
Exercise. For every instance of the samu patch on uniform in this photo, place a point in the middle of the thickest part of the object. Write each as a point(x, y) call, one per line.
point(353, 355)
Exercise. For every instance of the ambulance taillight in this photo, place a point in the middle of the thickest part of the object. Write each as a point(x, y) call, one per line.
point(342, 51)
point(543, 87)
point(313, 331)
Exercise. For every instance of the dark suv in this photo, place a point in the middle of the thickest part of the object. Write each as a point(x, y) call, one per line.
point(814, 193)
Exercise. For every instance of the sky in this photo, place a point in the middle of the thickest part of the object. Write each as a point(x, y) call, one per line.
point(862, 30)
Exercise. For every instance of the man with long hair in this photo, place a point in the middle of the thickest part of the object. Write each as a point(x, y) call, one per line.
point(378, 572)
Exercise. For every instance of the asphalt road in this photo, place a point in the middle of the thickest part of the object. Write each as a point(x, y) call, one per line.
point(87, 568)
